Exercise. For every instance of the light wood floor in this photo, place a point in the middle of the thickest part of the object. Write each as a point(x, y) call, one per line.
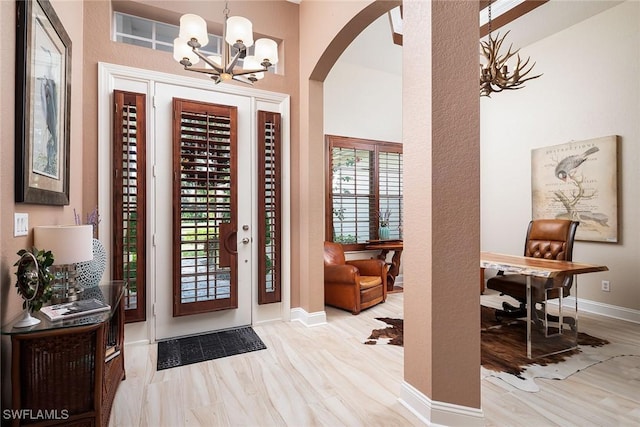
point(325, 376)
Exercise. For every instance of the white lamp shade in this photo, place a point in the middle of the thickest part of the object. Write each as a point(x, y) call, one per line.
point(252, 63)
point(182, 50)
point(266, 49)
point(193, 27)
point(239, 28)
point(69, 244)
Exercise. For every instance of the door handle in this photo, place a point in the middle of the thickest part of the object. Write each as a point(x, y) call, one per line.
point(227, 244)
point(245, 241)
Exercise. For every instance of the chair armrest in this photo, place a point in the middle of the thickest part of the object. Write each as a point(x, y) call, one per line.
point(369, 267)
point(340, 274)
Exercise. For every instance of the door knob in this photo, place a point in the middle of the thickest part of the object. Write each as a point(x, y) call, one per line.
point(245, 240)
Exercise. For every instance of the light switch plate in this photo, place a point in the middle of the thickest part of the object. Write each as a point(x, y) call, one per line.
point(20, 224)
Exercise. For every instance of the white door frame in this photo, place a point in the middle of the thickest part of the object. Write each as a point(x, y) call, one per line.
point(112, 77)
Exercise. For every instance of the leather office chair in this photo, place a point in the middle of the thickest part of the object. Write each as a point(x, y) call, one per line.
point(352, 285)
point(546, 238)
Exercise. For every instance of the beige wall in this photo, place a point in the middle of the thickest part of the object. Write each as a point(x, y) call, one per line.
point(327, 28)
point(70, 14)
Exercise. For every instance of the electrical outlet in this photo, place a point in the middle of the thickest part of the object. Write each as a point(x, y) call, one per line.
point(606, 286)
point(20, 224)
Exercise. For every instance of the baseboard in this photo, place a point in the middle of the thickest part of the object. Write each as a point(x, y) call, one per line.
point(138, 342)
point(601, 309)
point(299, 314)
point(438, 413)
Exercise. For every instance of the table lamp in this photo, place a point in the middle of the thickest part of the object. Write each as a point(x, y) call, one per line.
point(69, 245)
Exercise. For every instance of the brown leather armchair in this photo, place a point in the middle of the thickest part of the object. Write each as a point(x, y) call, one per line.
point(352, 285)
point(546, 238)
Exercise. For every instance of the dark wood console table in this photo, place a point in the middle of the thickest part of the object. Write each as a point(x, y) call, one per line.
point(67, 372)
point(384, 246)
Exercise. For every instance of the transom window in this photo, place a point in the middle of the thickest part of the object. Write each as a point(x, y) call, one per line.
point(157, 35)
point(364, 190)
point(154, 34)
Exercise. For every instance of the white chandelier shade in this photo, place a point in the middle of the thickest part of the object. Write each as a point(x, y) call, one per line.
point(182, 50)
point(266, 50)
point(193, 27)
point(239, 31)
point(237, 37)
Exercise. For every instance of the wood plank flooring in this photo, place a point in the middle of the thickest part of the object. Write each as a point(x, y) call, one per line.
point(325, 376)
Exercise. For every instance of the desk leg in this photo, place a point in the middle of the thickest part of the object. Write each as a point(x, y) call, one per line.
point(394, 269)
point(529, 299)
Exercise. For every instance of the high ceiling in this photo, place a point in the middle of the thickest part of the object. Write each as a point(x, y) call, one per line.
point(546, 18)
point(504, 12)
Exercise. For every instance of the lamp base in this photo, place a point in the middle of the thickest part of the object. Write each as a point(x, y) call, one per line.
point(64, 285)
point(27, 320)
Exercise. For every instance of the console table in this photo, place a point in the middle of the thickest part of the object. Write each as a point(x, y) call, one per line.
point(67, 372)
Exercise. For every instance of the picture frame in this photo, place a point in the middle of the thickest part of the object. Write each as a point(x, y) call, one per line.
point(578, 180)
point(42, 105)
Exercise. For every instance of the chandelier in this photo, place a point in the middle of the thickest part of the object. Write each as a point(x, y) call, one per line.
point(237, 37)
point(495, 75)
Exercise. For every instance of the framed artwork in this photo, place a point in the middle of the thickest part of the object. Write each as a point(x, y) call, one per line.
point(578, 181)
point(43, 88)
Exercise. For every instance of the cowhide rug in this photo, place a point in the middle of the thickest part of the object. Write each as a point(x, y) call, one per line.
point(394, 332)
point(503, 351)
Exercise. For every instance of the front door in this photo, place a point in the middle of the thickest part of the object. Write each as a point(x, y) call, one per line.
point(202, 209)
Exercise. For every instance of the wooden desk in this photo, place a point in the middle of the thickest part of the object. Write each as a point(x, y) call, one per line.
point(538, 267)
point(384, 246)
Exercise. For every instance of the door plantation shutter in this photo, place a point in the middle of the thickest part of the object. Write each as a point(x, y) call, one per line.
point(205, 201)
point(269, 207)
point(129, 200)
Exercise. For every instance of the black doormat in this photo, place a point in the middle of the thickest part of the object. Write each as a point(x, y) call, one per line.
point(199, 348)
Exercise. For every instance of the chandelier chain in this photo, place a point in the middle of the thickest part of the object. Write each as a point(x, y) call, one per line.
point(490, 1)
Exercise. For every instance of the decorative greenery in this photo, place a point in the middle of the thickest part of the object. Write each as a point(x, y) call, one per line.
point(34, 285)
point(344, 238)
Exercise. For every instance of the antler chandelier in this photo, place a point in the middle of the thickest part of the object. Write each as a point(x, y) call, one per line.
point(237, 37)
point(495, 75)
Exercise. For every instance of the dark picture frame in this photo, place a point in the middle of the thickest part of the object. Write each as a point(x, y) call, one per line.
point(42, 105)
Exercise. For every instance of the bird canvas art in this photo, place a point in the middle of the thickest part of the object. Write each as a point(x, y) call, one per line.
point(578, 181)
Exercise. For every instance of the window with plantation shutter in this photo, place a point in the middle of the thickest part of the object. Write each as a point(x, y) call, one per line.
point(269, 199)
point(364, 188)
point(390, 189)
point(205, 201)
point(129, 199)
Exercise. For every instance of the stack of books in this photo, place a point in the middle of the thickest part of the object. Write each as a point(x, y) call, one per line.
point(73, 309)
